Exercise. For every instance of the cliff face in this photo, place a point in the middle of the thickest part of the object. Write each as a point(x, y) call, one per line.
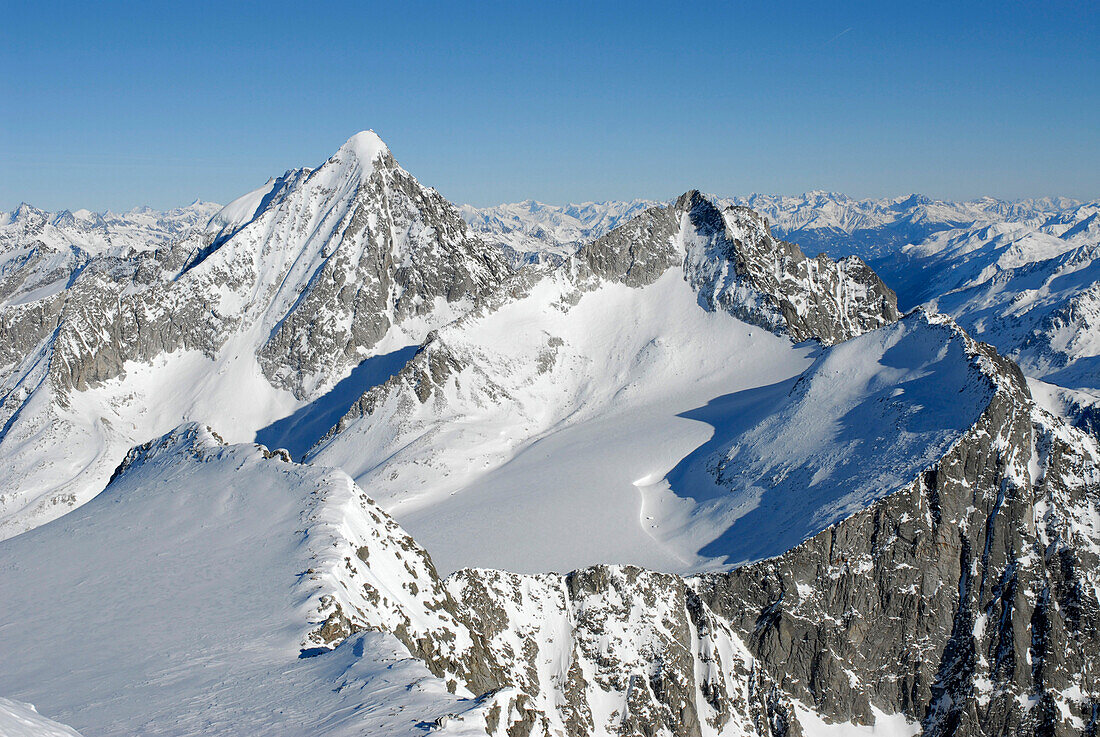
point(966, 601)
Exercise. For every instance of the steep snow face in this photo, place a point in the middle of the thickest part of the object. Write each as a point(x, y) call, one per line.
point(243, 210)
point(339, 256)
point(260, 315)
point(23, 720)
point(199, 594)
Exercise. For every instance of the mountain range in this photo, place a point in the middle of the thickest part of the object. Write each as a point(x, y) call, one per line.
point(344, 458)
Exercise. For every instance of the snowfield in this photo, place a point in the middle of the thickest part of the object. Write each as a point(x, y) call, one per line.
point(531, 463)
point(23, 720)
point(180, 602)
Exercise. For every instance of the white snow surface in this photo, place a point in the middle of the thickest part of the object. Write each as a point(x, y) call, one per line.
point(178, 602)
point(886, 725)
point(23, 720)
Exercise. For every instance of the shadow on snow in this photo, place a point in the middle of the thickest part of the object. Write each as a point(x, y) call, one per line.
point(299, 431)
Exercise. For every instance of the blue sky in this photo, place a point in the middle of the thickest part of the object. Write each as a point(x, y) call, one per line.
point(112, 105)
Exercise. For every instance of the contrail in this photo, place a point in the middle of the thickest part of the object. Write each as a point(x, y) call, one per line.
point(834, 38)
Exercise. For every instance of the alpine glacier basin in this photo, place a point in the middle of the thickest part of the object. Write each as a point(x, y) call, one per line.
point(596, 433)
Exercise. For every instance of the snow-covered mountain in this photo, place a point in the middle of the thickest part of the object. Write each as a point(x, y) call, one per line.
point(788, 509)
point(42, 252)
point(1016, 274)
point(238, 324)
point(1028, 288)
point(96, 233)
point(834, 223)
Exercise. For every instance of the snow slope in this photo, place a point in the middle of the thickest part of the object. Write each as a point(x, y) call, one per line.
point(23, 720)
point(187, 598)
point(545, 427)
point(533, 448)
point(789, 460)
point(697, 448)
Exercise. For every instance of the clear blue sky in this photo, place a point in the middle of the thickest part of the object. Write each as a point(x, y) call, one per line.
point(112, 105)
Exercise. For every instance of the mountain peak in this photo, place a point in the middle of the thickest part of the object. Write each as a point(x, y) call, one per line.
point(366, 146)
